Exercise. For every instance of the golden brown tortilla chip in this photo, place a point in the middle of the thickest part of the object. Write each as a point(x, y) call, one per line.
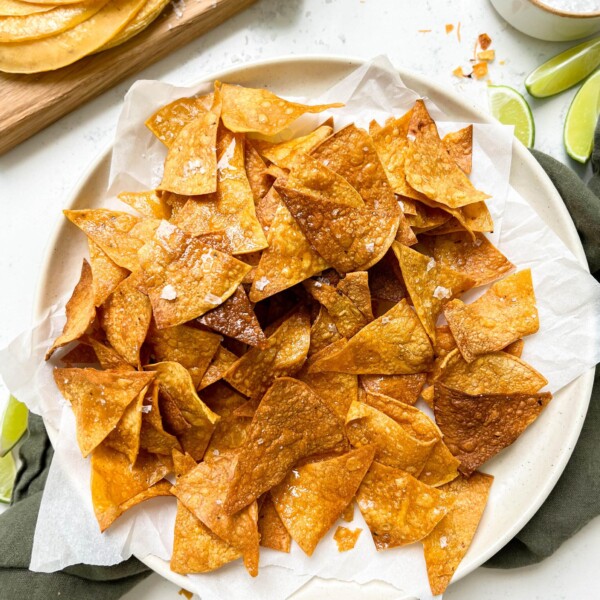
point(283, 355)
point(429, 284)
point(430, 169)
point(266, 208)
point(106, 273)
point(404, 388)
point(153, 436)
point(184, 278)
point(476, 428)
point(220, 364)
point(516, 348)
point(398, 508)
point(346, 538)
point(273, 533)
point(107, 357)
point(80, 310)
point(385, 280)
point(448, 543)
point(125, 437)
point(98, 399)
point(150, 203)
point(291, 422)
point(505, 313)
point(459, 145)
point(323, 332)
point(441, 466)
point(203, 491)
point(261, 111)
point(117, 485)
point(393, 344)
point(256, 171)
point(471, 218)
point(356, 287)
point(125, 318)
point(313, 496)
point(427, 217)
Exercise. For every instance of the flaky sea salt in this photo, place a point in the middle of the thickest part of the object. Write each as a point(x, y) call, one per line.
point(441, 292)
point(261, 284)
point(168, 292)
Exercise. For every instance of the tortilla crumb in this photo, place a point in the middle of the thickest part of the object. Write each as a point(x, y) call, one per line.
point(449, 27)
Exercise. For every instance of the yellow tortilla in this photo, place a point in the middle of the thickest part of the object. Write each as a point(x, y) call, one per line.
point(15, 8)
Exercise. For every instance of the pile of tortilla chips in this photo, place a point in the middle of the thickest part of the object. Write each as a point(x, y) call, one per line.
point(262, 337)
point(48, 34)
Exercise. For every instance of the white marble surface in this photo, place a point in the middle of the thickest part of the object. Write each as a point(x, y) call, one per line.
point(35, 177)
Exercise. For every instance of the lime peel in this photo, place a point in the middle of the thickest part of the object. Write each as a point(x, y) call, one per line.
point(14, 425)
point(510, 108)
point(8, 472)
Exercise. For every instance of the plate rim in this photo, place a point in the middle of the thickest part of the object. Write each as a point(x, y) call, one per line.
point(519, 152)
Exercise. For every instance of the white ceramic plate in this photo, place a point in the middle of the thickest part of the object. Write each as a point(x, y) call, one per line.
point(528, 470)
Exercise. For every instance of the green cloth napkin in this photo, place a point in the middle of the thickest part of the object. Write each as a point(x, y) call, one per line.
point(573, 502)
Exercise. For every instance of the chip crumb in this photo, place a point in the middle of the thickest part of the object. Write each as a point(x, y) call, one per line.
point(188, 595)
point(424, 30)
point(487, 55)
point(168, 292)
point(484, 41)
point(458, 72)
point(449, 27)
point(458, 32)
point(480, 70)
point(346, 538)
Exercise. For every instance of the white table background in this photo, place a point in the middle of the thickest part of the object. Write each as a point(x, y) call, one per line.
point(36, 176)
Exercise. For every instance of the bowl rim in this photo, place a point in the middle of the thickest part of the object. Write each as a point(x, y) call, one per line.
point(563, 13)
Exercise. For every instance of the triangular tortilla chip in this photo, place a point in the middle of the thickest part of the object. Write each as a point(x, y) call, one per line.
point(427, 217)
point(220, 364)
point(459, 145)
point(125, 318)
point(398, 508)
point(441, 466)
point(266, 208)
point(107, 357)
point(256, 171)
point(230, 209)
point(288, 260)
point(471, 218)
point(429, 284)
point(350, 238)
point(80, 310)
point(404, 388)
point(153, 436)
point(261, 111)
point(125, 437)
point(291, 422)
point(323, 332)
point(106, 273)
point(516, 348)
point(312, 496)
point(476, 428)
point(385, 280)
point(430, 169)
point(505, 313)
point(283, 355)
point(203, 491)
point(235, 318)
point(150, 203)
point(98, 399)
point(117, 485)
point(273, 533)
point(356, 287)
point(393, 344)
point(81, 354)
point(396, 446)
point(184, 278)
point(448, 543)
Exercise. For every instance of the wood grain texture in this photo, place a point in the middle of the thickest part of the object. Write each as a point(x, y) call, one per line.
point(29, 103)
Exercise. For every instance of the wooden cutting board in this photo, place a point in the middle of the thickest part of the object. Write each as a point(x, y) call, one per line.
point(29, 103)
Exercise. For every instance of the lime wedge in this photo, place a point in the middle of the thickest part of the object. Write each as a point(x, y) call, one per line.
point(7, 477)
point(14, 425)
point(510, 108)
point(581, 120)
point(564, 70)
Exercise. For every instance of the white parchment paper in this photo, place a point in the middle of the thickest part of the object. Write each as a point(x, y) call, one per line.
point(566, 346)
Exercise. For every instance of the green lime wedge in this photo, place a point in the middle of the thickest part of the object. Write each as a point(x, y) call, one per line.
point(581, 120)
point(564, 70)
point(7, 477)
point(510, 108)
point(14, 425)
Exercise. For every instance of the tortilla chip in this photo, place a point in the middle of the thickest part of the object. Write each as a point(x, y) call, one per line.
point(349, 238)
point(266, 208)
point(125, 437)
point(459, 145)
point(347, 317)
point(192, 348)
point(256, 172)
point(396, 445)
point(273, 533)
point(191, 163)
point(516, 348)
point(356, 287)
point(477, 258)
point(203, 491)
point(505, 313)
point(284, 154)
point(323, 332)
point(98, 399)
point(117, 485)
point(288, 260)
point(261, 111)
point(235, 318)
point(430, 169)
point(385, 280)
point(153, 436)
point(80, 310)
point(346, 538)
point(494, 373)
point(429, 284)
point(441, 466)
point(175, 383)
point(404, 388)
point(313, 496)
point(291, 422)
point(476, 428)
point(230, 209)
point(448, 543)
point(81, 354)
point(471, 218)
point(106, 273)
point(393, 344)
point(398, 508)
point(149, 203)
point(125, 318)
point(167, 122)
point(185, 278)
point(427, 217)
point(221, 362)
point(283, 355)
point(107, 357)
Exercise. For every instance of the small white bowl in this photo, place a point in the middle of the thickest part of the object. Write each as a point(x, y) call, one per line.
point(538, 20)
